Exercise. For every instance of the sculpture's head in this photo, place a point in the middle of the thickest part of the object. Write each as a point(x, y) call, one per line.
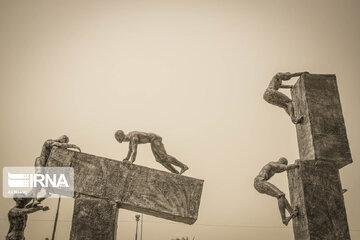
point(21, 200)
point(283, 160)
point(277, 80)
point(63, 139)
point(119, 136)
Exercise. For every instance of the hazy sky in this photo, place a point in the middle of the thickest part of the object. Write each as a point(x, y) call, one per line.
point(191, 71)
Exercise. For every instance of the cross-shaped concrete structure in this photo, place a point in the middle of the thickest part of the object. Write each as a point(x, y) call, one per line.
point(103, 185)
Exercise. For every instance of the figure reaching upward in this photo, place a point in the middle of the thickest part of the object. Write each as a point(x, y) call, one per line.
point(158, 149)
point(18, 216)
point(273, 96)
point(263, 186)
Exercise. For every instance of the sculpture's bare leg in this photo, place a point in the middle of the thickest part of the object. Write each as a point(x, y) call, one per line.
point(176, 162)
point(163, 158)
point(290, 111)
point(168, 166)
point(292, 215)
point(288, 207)
point(279, 99)
point(284, 205)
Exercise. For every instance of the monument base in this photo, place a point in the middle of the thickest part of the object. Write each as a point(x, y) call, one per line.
point(94, 218)
point(315, 188)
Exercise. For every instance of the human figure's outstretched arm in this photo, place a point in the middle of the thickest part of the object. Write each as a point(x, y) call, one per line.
point(278, 167)
point(134, 149)
point(287, 76)
point(65, 145)
point(286, 86)
point(292, 166)
point(31, 209)
point(129, 153)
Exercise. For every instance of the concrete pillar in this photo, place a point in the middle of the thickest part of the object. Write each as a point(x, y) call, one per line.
point(315, 187)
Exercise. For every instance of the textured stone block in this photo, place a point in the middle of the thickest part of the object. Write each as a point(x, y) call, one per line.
point(94, 218)
point(316, 189)
point(322, 135)
point(137, 188)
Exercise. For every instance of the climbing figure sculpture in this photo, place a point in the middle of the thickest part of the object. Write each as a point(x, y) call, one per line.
point(61, 142)
point(157, 147)
point(18, 216)
point(273, 96)
point(262, 185)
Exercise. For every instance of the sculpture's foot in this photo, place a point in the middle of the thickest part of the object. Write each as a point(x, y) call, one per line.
point(294, 214)
point(298, 120)
point(184, 169)
point(286, 220)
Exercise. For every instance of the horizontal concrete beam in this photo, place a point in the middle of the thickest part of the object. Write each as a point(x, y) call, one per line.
point(133, 187)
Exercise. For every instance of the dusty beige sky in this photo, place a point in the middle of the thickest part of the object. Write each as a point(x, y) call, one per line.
point(192, 71)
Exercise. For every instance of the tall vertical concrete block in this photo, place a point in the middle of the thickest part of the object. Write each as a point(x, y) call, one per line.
point(322, 135)
point(316, 189)
point(94, 218)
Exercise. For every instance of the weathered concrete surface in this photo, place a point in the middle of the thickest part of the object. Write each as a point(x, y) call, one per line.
point(158, 193)
point(94, 218)
point(322, 135)
point(316, 189)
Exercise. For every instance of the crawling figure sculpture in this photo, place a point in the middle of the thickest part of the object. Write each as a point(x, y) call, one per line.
point(158, 149)
point(263, 186)
point(273, 96)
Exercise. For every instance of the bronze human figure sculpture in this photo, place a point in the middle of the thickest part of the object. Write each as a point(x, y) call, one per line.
point(273, 96)
point(134, 138)
point(18, 217)
point(61, 142)
point(262, 185)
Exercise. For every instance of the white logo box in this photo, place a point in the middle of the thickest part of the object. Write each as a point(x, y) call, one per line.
point(32, 182)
